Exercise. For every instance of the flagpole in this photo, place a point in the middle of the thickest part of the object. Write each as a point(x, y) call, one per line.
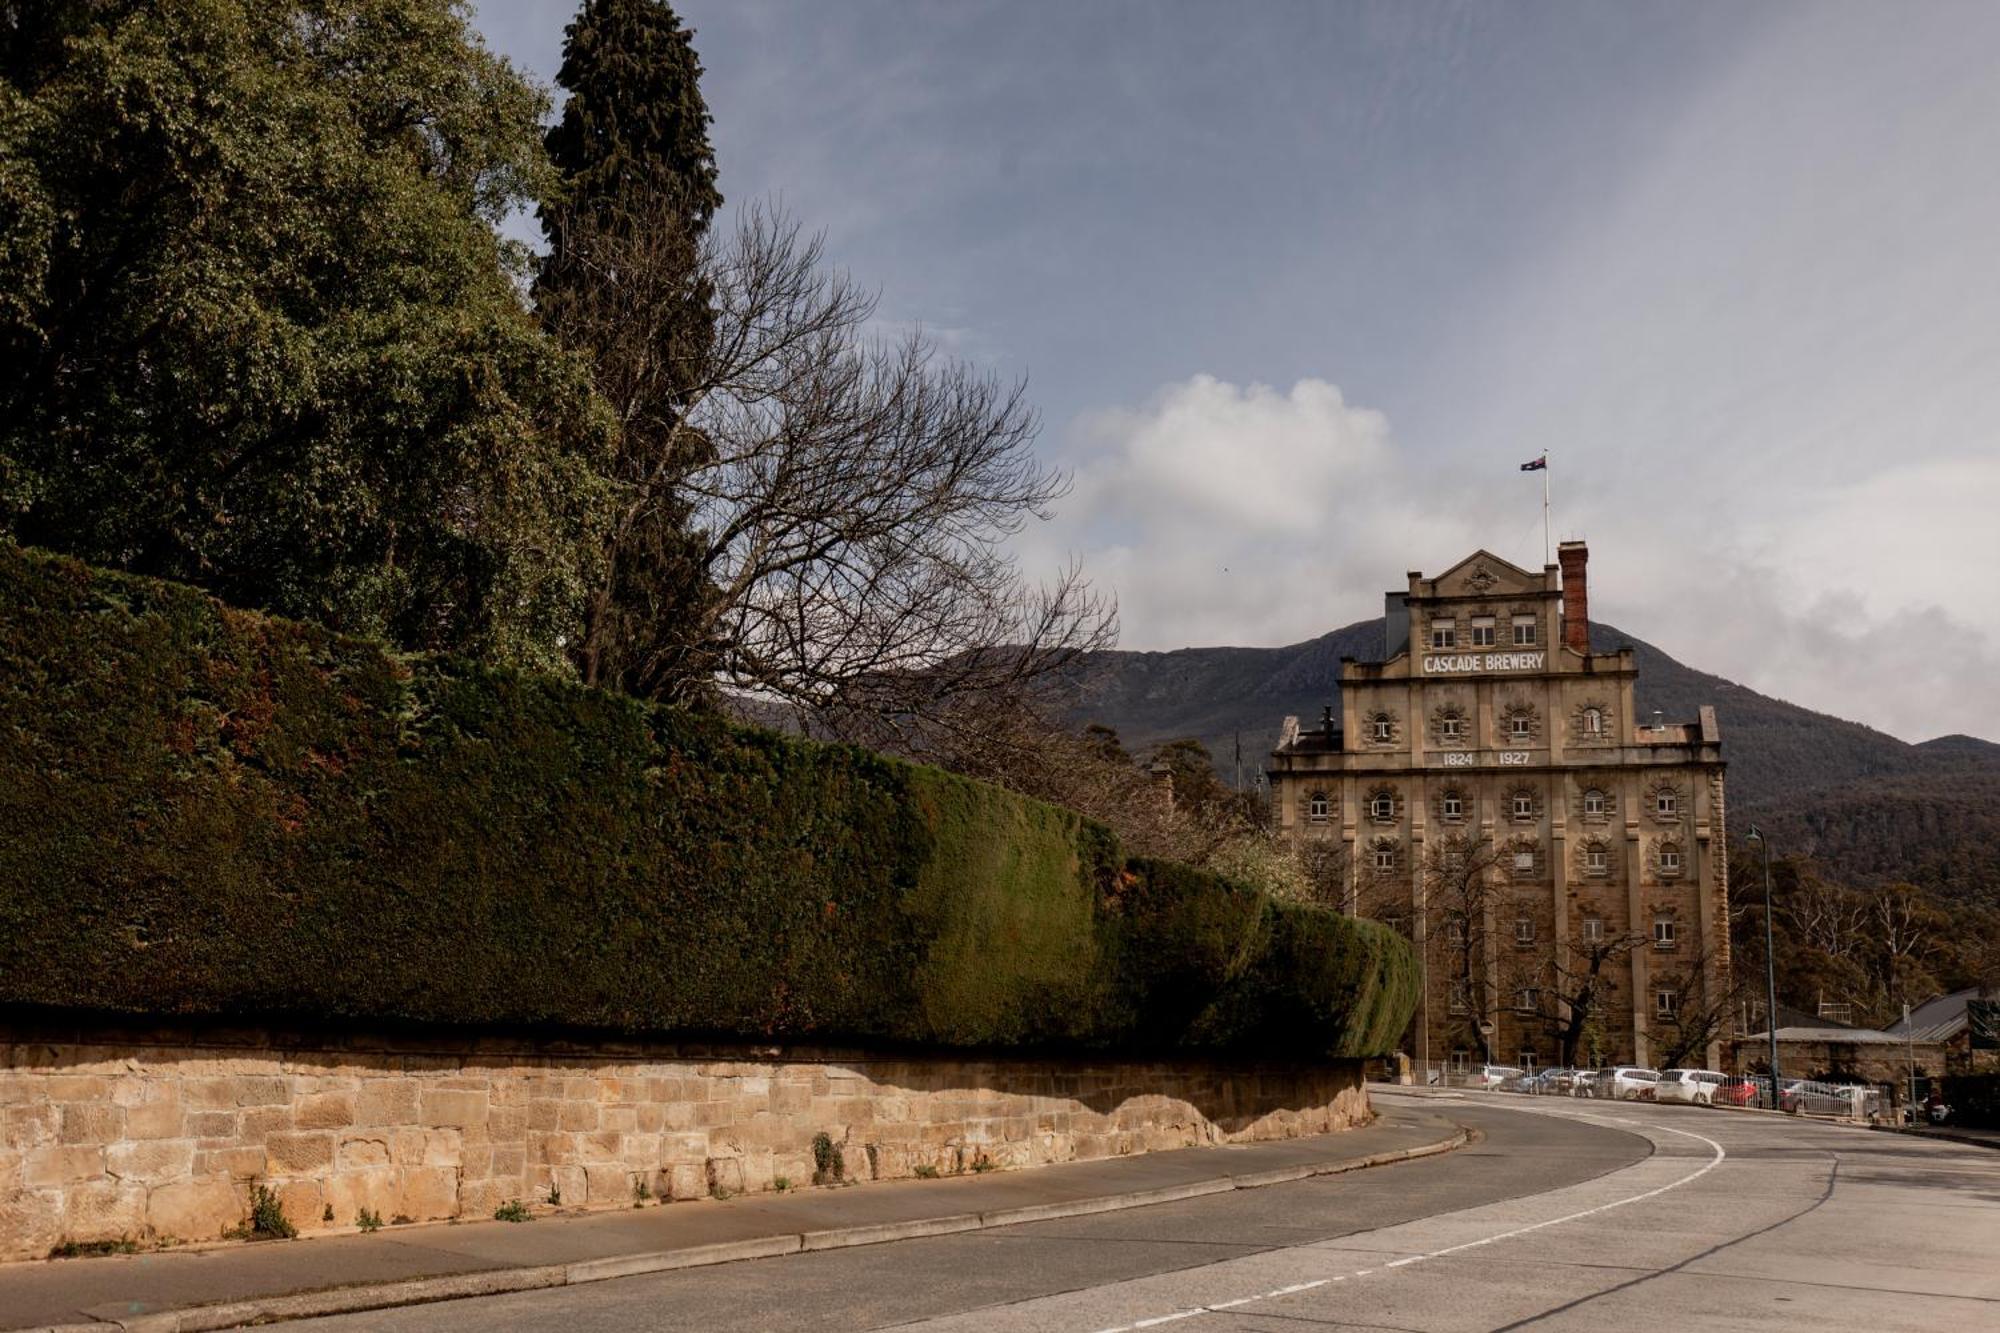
point(1546, 551)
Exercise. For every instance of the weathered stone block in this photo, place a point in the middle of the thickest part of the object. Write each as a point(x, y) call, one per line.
point(155, 1120)
point(304, 1204)
point(260, 1122)
point(325, 1110)
point(150, 1161)
point(386, 1101)
point(55, 1166)
point(426, 1147)
point(725, 1174)
point(351, 1191)
point(195, 1209)
point(362, 1151)
point(211, 1124)
point(297, 1154)
point(443, 1106)
point(92, 1122)
point(687, 1180)
point(427, 1192)
point(104, 1210)
point(236, 1163)
point(260, 1091)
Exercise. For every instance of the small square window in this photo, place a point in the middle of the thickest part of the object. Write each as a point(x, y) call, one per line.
point(1666, 804)
point(1526, 1000)
point(1444, 634)
point(1524, 806)
point(1524, 930)
point(1385, 858)
point(1482, 631)
point(1521, 727)
point(1524, 861)
point(1596, 860)
point(1454, 930)
point(1452, 725)
point(1666, 1003)
point(1670, 861)
point(1459, 1000)
point(1524, 631)
point(1663, 932)
point(1593, 929)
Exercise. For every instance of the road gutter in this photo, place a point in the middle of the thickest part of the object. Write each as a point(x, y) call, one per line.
point(424, 1291)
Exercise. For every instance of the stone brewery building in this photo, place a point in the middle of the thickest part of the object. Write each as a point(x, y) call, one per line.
point(1488, 789)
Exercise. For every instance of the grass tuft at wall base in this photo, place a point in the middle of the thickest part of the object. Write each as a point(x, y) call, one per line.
point(211, 812)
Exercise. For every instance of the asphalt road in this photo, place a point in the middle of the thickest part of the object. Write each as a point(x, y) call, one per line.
point(1578, 1215)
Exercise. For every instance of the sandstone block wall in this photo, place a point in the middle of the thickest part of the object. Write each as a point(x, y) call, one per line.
point(160, 1134)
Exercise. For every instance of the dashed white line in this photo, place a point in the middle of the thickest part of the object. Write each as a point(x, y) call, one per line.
point(1690, 1178)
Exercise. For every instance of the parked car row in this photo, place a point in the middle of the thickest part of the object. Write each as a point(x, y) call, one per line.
point(1687, 1087)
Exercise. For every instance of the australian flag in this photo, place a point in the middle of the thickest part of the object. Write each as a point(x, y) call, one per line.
point(1537, 465)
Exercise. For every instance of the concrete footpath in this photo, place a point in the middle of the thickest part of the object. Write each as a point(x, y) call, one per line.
point(223, 1287)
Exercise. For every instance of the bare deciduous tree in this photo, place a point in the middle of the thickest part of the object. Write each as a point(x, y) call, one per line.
point(847, 503)
point(1705, 1002)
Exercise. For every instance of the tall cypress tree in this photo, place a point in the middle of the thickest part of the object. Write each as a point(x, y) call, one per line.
point(623, 283)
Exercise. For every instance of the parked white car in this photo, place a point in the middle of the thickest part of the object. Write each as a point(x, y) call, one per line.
point(1691, 1087)
point(1630, 1083)
point(1490, 1076)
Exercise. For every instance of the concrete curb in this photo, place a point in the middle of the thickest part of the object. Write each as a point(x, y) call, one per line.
point(424, 1291)
point(1944, 1135)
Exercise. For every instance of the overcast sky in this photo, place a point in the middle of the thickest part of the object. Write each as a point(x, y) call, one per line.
point(1297, 287)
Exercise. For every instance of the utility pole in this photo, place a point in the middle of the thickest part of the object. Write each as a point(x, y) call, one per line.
point(1770, 969)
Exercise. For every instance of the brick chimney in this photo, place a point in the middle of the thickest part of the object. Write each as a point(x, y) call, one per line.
point(1573, 556)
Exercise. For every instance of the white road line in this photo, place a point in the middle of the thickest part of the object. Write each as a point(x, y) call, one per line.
point(1690, 1178)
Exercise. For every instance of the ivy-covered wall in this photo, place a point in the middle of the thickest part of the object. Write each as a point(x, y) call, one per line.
point(207, 811)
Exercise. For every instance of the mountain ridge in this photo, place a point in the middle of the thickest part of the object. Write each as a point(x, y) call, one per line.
point(1828, 787)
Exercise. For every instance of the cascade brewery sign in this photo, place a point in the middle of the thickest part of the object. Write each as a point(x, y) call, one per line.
point(1483, 662)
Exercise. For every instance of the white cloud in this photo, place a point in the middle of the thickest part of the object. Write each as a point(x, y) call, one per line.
point(1224, 514)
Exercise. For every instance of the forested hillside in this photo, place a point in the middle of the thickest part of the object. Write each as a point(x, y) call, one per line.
point(1869, 806)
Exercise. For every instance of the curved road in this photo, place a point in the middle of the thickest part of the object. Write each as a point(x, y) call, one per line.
point(1562, 1215)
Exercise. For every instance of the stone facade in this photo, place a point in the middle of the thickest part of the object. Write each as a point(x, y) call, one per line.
point(1494, 794)
point(160, 1134)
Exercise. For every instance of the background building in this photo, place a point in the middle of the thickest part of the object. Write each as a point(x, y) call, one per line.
point(1560, 863)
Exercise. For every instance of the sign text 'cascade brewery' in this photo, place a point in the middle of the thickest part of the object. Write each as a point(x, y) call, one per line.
point(1434, 665)
point(1488, 789)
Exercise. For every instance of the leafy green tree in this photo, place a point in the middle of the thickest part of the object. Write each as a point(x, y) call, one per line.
point(257, 329)
point(624, 283)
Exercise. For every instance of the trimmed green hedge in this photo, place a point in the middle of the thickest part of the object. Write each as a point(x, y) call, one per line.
point(212, 812)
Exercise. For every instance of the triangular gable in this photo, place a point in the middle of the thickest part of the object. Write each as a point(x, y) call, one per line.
point(1483, 572)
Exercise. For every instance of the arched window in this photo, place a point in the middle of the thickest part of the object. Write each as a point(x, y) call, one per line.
point(1593, 722)
point(1523, 805)
point(1382, 806)
point(1385, 855)
point(1670, 860)
point(1316, 806)
point(1593, 802)
point(1452, 804)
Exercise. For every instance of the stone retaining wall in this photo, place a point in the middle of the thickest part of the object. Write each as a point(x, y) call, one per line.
point(160, 1135)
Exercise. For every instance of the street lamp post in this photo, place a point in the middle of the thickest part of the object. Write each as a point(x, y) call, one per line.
point(1770, 969)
